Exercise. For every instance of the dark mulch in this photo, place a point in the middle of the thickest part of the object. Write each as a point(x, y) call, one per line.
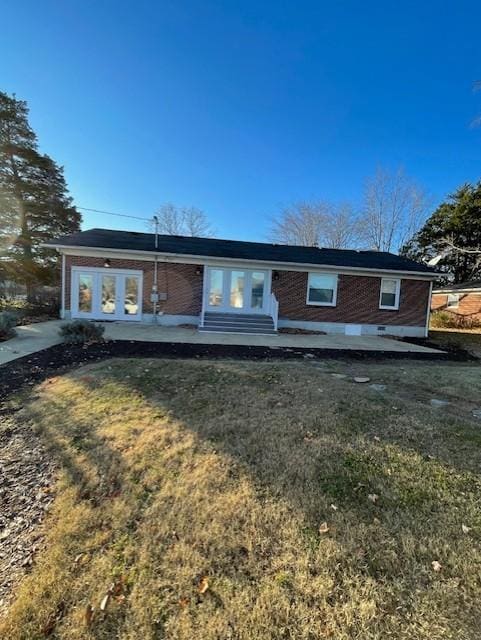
point(34, 368)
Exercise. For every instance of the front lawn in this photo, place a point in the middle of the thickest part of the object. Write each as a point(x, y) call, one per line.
point(253, 501)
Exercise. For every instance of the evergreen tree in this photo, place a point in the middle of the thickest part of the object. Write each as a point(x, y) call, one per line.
point(453, 231)
point(34, 201)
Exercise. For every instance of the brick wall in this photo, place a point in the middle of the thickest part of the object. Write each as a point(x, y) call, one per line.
point(357, 301)
point(469, 304)
point(357, 296)
point(180, 282)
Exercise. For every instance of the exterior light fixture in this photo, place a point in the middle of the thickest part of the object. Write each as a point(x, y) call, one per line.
point(275, 275)
point(198, 271)
point(107, 262)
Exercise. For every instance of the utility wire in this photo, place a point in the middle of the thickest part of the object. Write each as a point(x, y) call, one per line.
point(112, 213)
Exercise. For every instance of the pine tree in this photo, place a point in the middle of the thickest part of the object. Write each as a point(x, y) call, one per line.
point(454, 232)
point(34, 202)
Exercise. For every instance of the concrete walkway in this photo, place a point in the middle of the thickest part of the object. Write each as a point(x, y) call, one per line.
point(30, 339)
point(35, 337)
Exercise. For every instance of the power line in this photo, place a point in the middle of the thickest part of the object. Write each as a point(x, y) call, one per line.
point(112, 213)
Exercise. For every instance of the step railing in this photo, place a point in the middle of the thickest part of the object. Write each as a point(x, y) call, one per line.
point(274, 309)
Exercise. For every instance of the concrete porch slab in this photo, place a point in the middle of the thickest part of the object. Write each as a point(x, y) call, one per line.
point(35, 337)
point(153, 333)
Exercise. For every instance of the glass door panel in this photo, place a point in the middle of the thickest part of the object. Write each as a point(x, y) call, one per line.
point(107, 303)
point(216, 287)
point(85, 292)
point(257, 290)
point(131, 297)
point(237, 281)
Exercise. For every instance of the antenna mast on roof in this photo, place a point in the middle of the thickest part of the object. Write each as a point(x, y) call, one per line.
point(156, 231)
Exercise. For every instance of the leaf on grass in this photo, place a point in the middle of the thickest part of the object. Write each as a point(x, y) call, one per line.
point(334, 507)
point(105, 601)
point(89, 615)
point(377, 438)
point(373, 497)
point(465, 528)
point(437, 566)
point(117, 587)
point(183, 602)
point(203, 585)
point(323, 528)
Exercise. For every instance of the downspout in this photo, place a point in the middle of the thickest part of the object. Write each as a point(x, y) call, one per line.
point(155, 292)
point(62, 295)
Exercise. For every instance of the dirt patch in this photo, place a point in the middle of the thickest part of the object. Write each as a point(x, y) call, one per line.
point(37, 367)
point(301, 332)
point(26, 475)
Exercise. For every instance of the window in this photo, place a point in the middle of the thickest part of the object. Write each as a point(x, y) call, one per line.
point(453, 301)
point(322, 289)
point(389, 297)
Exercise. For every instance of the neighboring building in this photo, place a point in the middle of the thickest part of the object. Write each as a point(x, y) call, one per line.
point(459, 299)
point(228, 285)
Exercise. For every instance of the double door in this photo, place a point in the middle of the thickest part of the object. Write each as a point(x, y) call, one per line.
point(236, 290)
point(106, 294)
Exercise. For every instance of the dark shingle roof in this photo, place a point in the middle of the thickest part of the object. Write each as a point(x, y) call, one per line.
point(236, 249)
point(471, 284)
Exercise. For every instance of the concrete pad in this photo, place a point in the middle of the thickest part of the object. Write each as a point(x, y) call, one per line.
point(158, 333)
point(438, 404)
point(35, 337)
point(30, 339)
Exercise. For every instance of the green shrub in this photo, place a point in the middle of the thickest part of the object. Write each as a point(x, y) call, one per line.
point(8, 321)
point(449, 320)
point(82, 332)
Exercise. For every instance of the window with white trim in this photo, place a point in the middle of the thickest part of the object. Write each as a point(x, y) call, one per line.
point(322, 289)
point(453, 301)
point(389, 295)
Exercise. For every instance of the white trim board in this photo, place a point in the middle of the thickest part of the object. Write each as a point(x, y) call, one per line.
point(149, 256)
point(447, 291)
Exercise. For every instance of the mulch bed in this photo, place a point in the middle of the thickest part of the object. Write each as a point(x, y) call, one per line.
point(36, 367)
point(26, 493)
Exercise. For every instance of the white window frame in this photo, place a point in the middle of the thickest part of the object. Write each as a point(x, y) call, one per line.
point(456, 301)
point(334, 291)
point(97, 272)
point(395, 307)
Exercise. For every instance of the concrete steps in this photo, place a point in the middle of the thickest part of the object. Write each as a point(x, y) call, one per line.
point(238, 323)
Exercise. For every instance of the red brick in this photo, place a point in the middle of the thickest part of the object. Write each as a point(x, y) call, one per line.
point(180, 282)
point(469, 304)
point(357, 301)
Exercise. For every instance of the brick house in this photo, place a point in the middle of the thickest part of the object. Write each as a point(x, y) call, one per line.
point(228, 285)
point(459, 299)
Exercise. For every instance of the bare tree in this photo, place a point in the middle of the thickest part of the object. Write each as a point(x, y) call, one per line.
point(316, 224)
point(183, 221)
point(394, 208)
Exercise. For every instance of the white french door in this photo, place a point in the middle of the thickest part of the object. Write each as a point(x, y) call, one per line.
point(106, 294)
point(236, 290)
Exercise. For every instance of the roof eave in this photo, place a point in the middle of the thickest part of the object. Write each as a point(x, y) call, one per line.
point(203, 259)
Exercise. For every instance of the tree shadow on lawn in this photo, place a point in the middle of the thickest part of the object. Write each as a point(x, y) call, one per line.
point(386, 480)
point(329, 452)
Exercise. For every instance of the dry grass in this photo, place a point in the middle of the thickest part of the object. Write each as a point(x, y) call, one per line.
point(179, 476)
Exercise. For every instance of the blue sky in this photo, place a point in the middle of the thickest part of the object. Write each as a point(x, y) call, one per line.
point(240, 108)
